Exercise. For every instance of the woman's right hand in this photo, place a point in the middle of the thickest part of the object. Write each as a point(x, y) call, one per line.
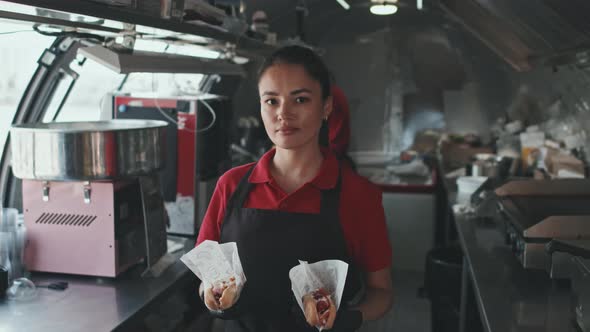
point(223, 311)
point(220, 298)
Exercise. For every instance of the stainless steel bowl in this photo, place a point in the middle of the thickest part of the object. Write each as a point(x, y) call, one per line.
point(98, 150)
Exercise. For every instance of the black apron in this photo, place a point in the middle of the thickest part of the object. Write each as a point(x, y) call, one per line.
point(270, 243)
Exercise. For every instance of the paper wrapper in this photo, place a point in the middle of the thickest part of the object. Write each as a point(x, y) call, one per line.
point(327, 274)
point(213, 263)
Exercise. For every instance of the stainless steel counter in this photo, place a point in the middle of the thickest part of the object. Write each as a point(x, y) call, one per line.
point(510, 298)
point(93, 304)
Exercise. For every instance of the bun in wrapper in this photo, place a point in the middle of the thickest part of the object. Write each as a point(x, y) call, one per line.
point(319, 309)
point(221, 295)
point(324, 279)
point(219, 268)
point(228, 297)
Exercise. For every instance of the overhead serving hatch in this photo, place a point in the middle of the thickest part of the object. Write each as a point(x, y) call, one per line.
point(124, 62)
point(242, 44)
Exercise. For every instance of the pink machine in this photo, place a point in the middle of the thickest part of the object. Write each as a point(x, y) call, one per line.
point(89, 228)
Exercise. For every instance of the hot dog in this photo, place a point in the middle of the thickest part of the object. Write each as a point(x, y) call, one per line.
point(319, 308)
point(221, 295)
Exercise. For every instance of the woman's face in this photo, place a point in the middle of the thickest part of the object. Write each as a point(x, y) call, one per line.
point(292, 106)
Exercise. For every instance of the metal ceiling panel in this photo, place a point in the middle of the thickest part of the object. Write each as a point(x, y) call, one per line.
point(522, 31)
point(575, 12)
point(491, 30)
point(538, 25)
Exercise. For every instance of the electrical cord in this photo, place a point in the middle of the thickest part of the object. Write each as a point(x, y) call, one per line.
point(244, 152)
point(13, 32)
point(69, 33)
point(163, 113)
point(207, 106)
point(58, 286)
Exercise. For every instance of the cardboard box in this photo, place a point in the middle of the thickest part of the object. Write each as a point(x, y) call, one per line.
point(459, 155)
point(558, 162)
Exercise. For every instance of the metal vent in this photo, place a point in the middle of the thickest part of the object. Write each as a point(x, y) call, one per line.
point(65, 219)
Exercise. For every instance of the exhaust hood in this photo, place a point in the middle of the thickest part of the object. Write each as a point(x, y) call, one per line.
point(527, 33)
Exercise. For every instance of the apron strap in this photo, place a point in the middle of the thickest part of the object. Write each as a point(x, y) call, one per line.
point(239, 196)
point(330, 201)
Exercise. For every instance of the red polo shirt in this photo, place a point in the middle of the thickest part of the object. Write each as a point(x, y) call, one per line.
point(361, 210)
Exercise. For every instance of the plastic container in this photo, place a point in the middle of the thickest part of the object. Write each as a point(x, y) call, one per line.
point(22, 289)
point(371, 158)
point(529, 143)
point(469, 184)
point(8, 227)
point(5, 244)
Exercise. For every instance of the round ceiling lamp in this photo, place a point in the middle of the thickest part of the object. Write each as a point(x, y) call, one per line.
point(383, 7)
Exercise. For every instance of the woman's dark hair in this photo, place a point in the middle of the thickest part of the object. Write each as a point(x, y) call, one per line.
point(299, 55)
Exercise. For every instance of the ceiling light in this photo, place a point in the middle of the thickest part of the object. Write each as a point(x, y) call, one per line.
point(344, 4)
point(384, 9)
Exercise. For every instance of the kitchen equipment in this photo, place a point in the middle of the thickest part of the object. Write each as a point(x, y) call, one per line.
point(125, 107)
point(92, 203)
point(574, 263)
point(550, 188)
point(484, 164)
point(197, 149)
point(537, 214)
point(87, 150)
point(92, 228)
point(490, 165)
point(562, 251)
point(581, 287)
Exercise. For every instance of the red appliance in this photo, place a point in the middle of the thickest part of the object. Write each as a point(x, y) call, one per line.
point(187, 124)
point(182, 117)
point(191, 156)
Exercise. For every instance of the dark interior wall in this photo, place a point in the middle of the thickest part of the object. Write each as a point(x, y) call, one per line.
point(376, 60)
point(246, 97)
point(367, 69)
point(487, 91)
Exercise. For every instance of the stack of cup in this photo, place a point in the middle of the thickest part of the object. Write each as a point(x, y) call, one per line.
point(10, 258)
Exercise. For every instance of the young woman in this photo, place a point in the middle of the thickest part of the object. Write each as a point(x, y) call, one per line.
point(299, 203)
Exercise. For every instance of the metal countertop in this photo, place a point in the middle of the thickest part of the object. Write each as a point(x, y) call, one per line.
point(91, 303)
point(509, 298)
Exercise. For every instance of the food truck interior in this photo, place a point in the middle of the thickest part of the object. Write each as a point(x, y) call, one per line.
point(118, 117)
